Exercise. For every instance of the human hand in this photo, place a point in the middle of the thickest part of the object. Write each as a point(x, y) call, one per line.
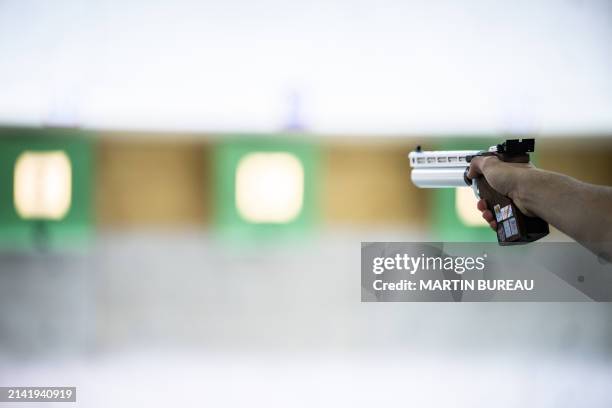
point(506, 178)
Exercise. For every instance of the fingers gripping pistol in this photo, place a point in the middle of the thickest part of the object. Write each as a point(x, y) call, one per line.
point(441, 169)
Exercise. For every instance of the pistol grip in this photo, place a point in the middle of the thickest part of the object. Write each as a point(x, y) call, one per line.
point(513, 227)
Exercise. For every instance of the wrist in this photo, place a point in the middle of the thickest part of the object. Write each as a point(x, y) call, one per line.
point(523, 190)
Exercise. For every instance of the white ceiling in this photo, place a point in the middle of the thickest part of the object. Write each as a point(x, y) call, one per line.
point(327, 66)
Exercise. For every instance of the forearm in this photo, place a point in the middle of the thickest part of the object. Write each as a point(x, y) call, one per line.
point(581, 210)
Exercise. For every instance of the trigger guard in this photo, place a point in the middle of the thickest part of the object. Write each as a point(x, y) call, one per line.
point(471, 182)
point(475, 188)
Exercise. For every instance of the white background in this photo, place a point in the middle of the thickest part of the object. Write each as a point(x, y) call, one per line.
point(360, 67)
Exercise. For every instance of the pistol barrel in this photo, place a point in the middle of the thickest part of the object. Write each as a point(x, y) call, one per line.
point(439, 169)
point(439, 178)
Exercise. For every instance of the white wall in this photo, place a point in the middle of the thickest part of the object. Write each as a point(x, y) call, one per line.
point(327, 66)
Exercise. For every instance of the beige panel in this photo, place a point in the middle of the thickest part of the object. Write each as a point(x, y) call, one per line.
point(369, 184)
point(584, 159)
point(148, 181)
point(151, 183)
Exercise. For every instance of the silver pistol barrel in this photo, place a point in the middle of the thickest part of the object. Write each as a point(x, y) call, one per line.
point(438, 178)
point(439, 169)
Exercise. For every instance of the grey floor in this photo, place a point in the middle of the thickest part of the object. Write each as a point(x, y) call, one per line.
point(180, 318)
